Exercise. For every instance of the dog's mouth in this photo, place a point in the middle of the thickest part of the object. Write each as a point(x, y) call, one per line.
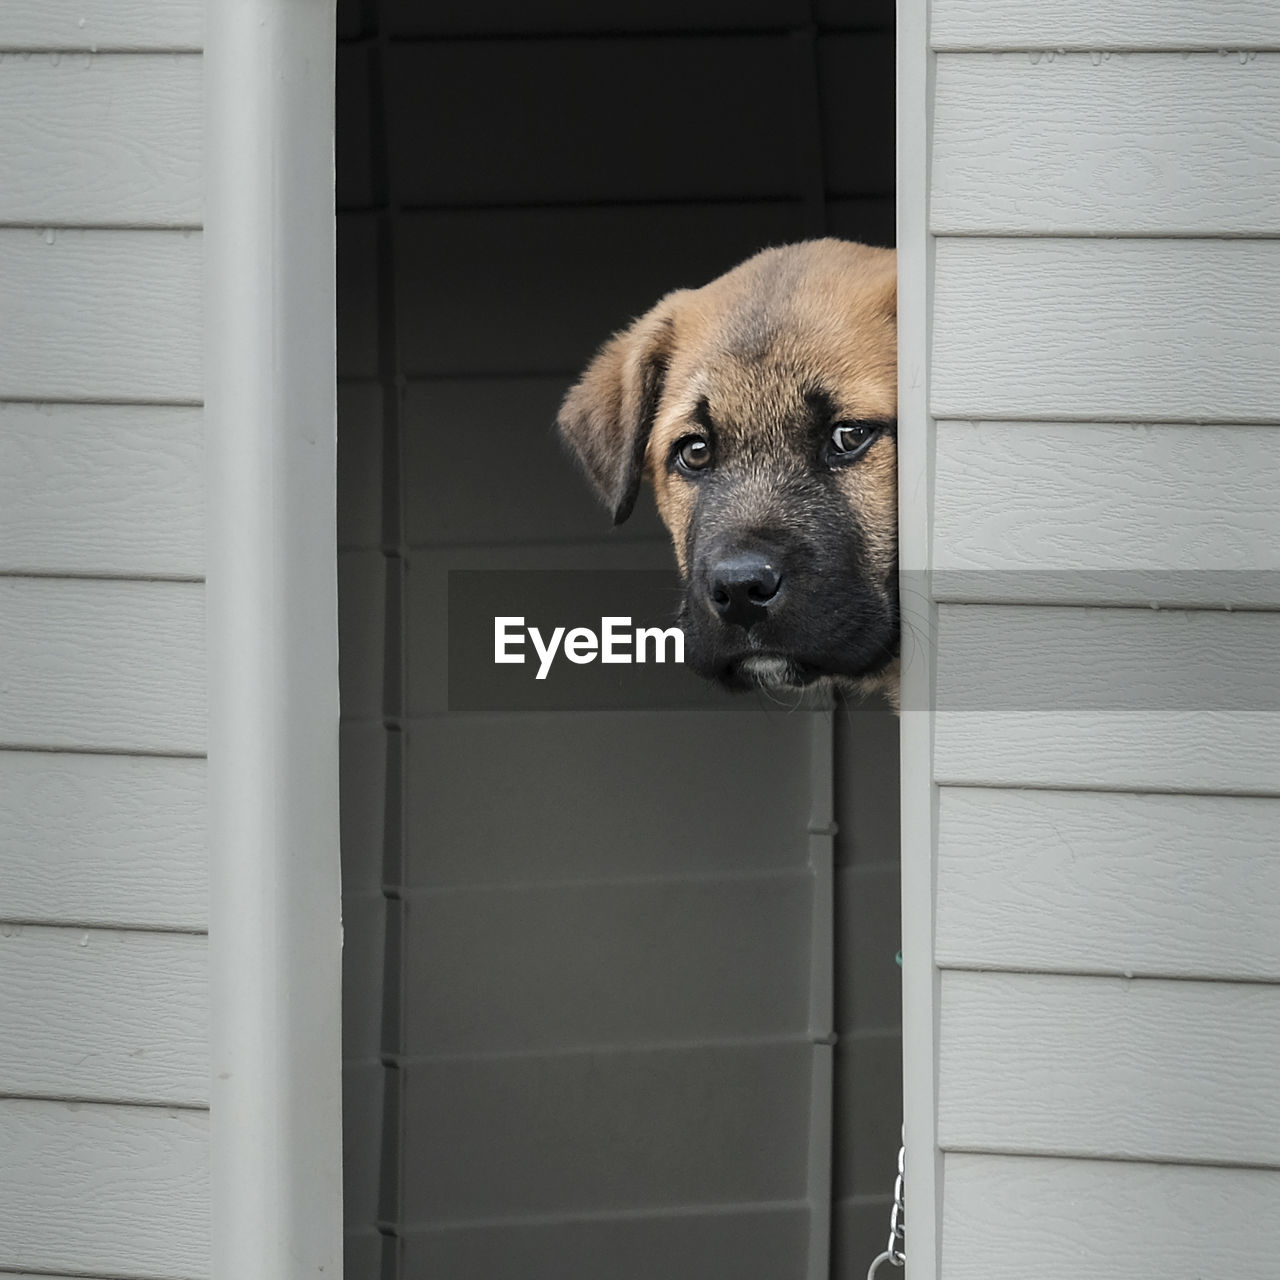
point(780, 670)
point(766, 671)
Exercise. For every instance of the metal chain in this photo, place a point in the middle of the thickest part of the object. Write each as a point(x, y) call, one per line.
point(895, 1252)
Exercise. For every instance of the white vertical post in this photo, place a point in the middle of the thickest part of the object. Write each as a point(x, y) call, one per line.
point(275, 932)
point(919, 615)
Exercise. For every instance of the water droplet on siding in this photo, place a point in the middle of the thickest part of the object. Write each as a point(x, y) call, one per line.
point(80, 22)
point(1034, 55)
point(1096, 57)
point(49, 235)
point(84, 939)
point(55, 58)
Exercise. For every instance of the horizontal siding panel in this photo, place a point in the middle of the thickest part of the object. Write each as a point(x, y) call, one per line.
point(484, 291)
point(106, 139)
point(101, 489)
point(1177, 885)
point(1013, 658)
point(597, 1132)
point(1151, 143)
point(91, 1189)
point(745, 1243)
point(107, 1015)
point(570, 812)
point(1008, 1217)
point(100, 315)
point(1104, 24)
point(103, 839)
point(1111, 698)
point(1201, 751)
point(1146, 1069)
point(708, 134)
point(106, 24)
point(1096, 511)
point(107, 665)
point(1083, 329)
point(564, 966)
point(528, 490)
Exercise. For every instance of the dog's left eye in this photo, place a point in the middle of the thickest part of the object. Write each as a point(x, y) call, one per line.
point(850, 440)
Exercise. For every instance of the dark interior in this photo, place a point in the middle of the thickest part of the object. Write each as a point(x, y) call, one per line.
point(589, 945)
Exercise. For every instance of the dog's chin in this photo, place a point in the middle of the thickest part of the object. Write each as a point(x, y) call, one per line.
point(782, 671)
point(767, 671)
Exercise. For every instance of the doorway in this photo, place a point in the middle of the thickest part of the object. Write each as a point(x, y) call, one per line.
point(596, 956)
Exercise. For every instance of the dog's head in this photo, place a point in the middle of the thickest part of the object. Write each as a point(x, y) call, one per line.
point(763, 408)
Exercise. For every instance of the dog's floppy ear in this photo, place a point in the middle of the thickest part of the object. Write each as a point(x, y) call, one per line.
point(608, 413)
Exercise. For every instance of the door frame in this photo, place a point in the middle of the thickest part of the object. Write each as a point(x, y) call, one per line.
point(275, 944)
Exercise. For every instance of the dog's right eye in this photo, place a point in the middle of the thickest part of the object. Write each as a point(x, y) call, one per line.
point(693, 453)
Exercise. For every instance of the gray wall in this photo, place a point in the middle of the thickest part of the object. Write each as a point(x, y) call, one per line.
point(104, 1052)
point(589, 951)
point(1105, 276)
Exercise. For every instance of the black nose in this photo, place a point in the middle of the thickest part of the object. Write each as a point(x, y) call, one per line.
point(743, 586)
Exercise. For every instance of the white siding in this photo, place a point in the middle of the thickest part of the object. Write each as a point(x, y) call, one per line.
point(1103, 144)
point(1142, 1069)
point(1109, 882)
point(1093, 508)
point(104, 1069)
point(106, 138)
point(1133, 329)
point(61, 340)
point(101, 489)
point(87, 1188)
point(103, 839)
point(96, 25)
point(101, 1014)
point(1010, 1217)
point(1105, 24)
point(1101, 269)
point(106, 664)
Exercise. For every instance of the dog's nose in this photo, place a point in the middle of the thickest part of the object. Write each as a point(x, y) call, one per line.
point(743, 586)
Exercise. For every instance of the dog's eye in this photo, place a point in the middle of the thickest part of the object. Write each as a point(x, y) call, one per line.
point(850, 440)
point(693, 453)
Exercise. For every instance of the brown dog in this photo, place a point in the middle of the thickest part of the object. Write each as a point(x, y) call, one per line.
point(763, 409)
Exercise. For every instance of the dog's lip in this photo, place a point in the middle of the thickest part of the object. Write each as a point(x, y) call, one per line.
point(738, 668)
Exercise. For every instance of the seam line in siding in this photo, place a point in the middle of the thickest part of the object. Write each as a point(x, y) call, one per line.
point(141, 753)
point(1131, 975)
point(943, 232)
point(48, 224)
point(62, 575)
point(97, 51)
point(1048, 1153)
point(72, 924)
point(94, 1100)
point(119, 401)
point(964, 784)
